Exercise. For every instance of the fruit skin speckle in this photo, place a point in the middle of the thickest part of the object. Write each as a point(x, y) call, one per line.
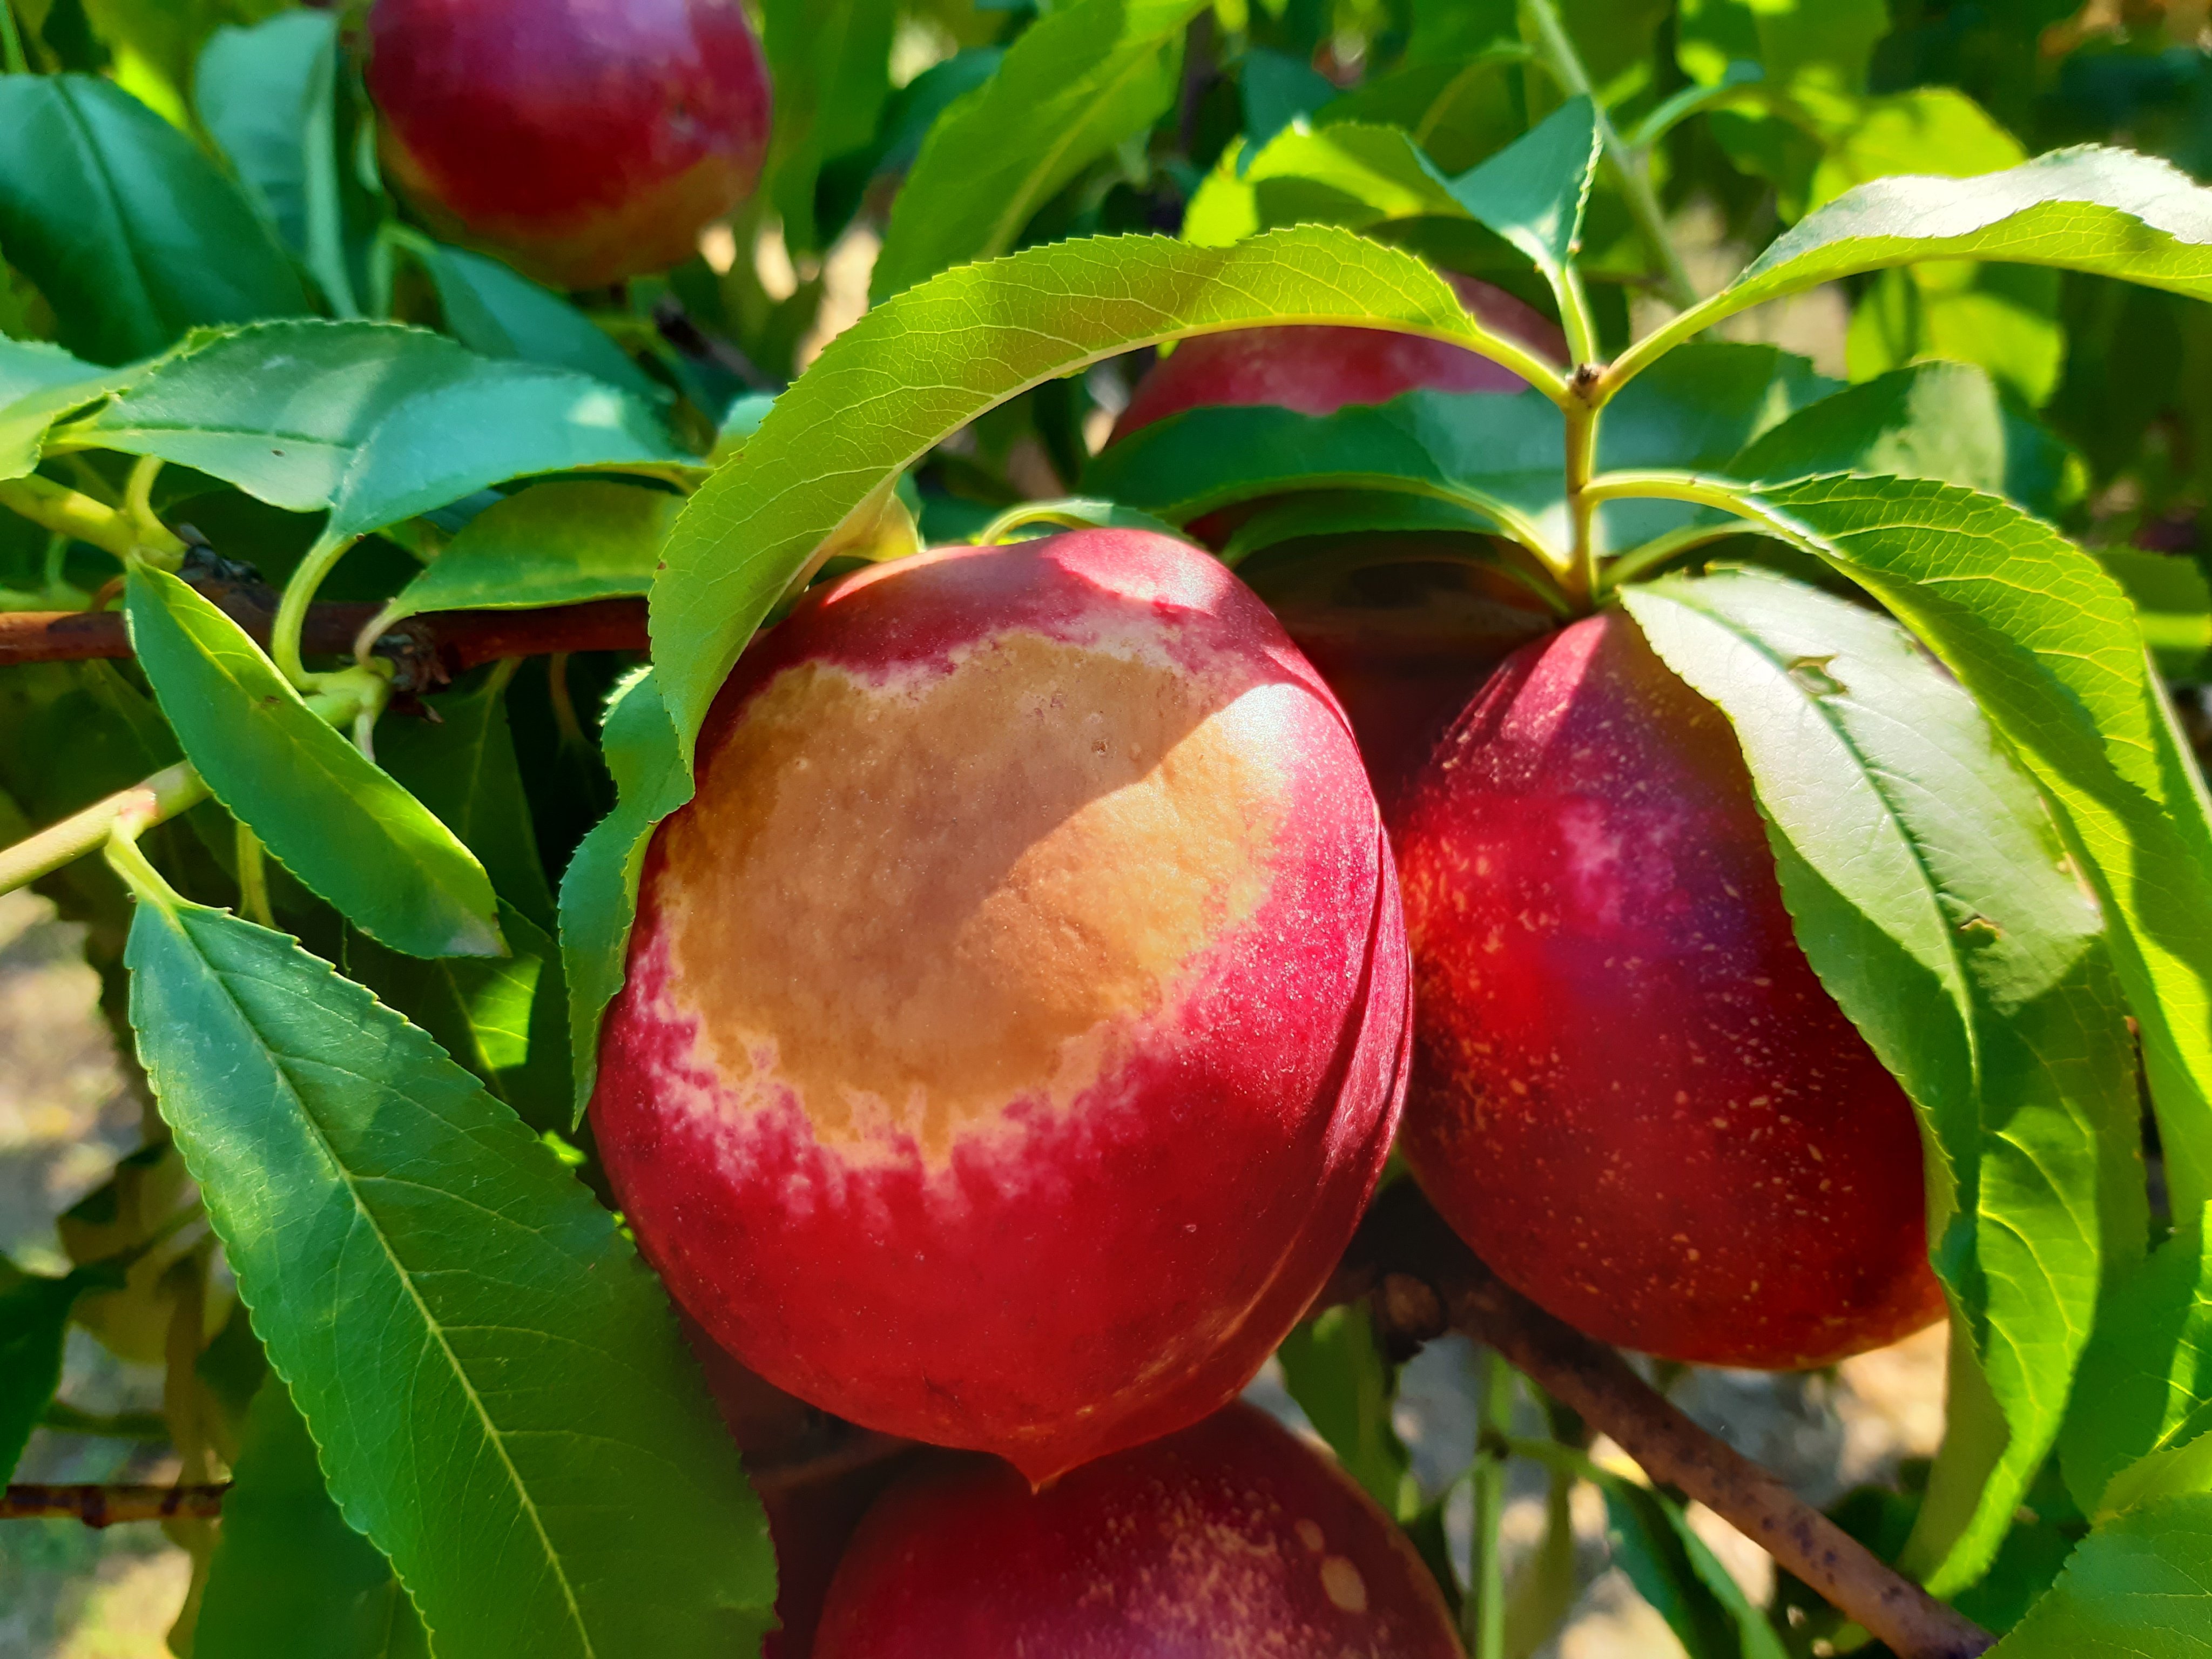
point(585, 141)
point(1632, 1095)
point(1028, 1112)
point(1193, 1546)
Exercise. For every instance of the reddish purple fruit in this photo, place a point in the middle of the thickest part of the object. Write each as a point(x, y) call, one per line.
point(1318, 370)
point(1230, 1538)
point(1015, 1021)
point(585, 141)
point(1631, 1096)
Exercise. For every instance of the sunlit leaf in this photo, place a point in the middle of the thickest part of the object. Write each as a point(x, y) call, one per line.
point(502, 1399)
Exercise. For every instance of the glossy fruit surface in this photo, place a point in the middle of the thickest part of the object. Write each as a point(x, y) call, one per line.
point(1631, 1096)
point(1231, 1538)
point(585, 141)
point(1016, 1020)
point(1319, 369)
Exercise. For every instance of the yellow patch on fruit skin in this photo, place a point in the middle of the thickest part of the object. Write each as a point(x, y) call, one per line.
point(911, 899)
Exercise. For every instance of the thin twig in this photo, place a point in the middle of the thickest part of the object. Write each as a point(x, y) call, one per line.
point(105, 1506)
point(1425, 1281)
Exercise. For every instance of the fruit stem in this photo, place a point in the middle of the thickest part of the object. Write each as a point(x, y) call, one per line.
point(1557, 48)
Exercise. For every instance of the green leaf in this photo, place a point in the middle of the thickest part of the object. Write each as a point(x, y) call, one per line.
point(504, 1018)
point(289, 1575)
point(2135, 1587)
point(1945, 421)
point(598, 889)
point(1341, 1380)
point(1674, 1570)
point(333, 819)
point(499, 313)
point(462, 766)
point(1348, 173)
point(2173, 602)
point(1812, 53)
point(268, 97)
point(39, 383)
point(831, 61)
point(1277, 89)
point(1930, 892)
point(2145, 1396)
point(126, 228)
point(2108, 211)
point(929, 361)
point(1499, 454)
point(1927, 132)
point(34, 1312)
point(372, 421)
point(1533, 193)
point(1077, 82)
point(908, 116)
point(562, 543)
point(502, 1399)
point(2047, 643)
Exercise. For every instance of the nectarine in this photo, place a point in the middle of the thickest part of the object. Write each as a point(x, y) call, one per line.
point(1016, 1020)
point(1631, 1096)
point(1232, 1537)
point(585, 141)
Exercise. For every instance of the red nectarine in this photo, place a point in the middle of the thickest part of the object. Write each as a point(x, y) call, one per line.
point(1632, 1095)
point(1015, 1021)
point(587, 141)
point(1232, 1537)
point(1318, 370)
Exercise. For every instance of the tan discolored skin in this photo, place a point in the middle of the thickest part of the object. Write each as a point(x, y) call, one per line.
point(1631, 1096)
point(1032, 900)
point(1232, 1540)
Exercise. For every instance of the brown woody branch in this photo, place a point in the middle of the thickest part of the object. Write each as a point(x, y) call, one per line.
point(428, 650)
point(1425, 1281)
point(105, 1506)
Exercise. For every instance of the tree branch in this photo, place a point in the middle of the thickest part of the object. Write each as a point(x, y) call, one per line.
point(1425, 1281)
point(104, 1506)
point(428, 650)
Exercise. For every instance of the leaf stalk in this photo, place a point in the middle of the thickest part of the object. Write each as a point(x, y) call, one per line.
point(130, 532)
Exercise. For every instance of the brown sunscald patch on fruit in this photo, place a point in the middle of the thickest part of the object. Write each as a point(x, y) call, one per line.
point(993, 912)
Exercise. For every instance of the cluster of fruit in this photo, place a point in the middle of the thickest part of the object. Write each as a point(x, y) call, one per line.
point(1020, 1017)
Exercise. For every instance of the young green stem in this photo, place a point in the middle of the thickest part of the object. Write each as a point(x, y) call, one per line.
point(1483, 1610)
point(70, 512)
point(292, 608)
point(175, 789)
point(1557, 51)
point(11, 42)
point(1582, 576)
point(253, 879)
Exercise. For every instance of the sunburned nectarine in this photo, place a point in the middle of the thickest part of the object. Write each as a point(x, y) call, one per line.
point(587, 141)
point(1230, 1538)
point(1632, 1095)
point(1015, 1020)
